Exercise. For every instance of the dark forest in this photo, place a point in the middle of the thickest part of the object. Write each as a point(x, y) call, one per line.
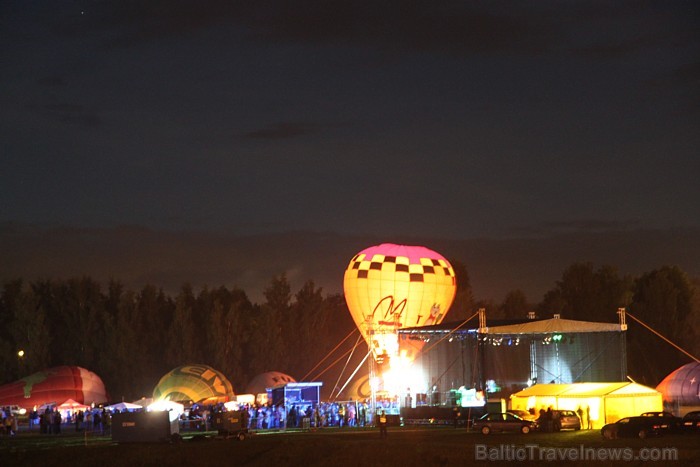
point(130, 338)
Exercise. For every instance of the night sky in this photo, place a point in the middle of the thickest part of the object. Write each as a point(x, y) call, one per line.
point(445, 119)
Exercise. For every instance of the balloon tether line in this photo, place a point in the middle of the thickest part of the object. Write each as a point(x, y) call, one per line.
point(329, 354)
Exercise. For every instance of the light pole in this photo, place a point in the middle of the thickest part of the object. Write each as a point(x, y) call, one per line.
point(20, 363)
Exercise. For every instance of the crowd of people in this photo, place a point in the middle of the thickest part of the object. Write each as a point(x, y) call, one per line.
point(303, 415)
point(9, 422)
point(51, 420)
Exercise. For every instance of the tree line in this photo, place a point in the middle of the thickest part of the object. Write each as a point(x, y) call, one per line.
point(131, 338)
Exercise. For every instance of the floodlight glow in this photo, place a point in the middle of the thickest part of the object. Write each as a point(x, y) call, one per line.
point(232, 406)
point(173, 408)
point(403, 376)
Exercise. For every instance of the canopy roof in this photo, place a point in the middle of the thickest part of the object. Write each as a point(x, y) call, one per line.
point(124, 406)
point(554, 325)
point(521, 326)
point(586, 390)
point(70, 404)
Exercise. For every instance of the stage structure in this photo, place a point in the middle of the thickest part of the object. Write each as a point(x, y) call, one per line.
point(509, 355)
point(300, 396)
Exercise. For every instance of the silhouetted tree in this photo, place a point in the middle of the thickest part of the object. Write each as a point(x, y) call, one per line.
point(664, 300)
point(267, 350)
point(181, 347)
point(515, 305)
point(589, 295)
point(306, 326)
point(463, 305)
point(226, 332)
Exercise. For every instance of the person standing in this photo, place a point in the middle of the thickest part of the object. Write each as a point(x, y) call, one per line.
point(588, 417)
point(382, 425)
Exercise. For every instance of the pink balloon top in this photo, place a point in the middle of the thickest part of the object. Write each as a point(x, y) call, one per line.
point(413, 253)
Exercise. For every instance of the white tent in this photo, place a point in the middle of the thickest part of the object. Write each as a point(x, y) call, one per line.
point(144, 402)
point(175, 409)
point(124, 407)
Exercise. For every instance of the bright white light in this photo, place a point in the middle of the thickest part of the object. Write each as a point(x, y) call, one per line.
point(232, 406)
point(403, 375)
point(173, 408)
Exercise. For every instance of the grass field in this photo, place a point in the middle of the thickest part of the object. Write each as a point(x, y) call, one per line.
point(405, 446)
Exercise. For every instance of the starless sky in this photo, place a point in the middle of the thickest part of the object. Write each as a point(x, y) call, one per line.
point(440, 118)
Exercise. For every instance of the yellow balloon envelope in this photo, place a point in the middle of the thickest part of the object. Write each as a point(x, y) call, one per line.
point(388, 287)
point(196, 383)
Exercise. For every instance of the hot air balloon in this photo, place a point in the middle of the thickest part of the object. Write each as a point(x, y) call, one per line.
point(260, 383)
point(682, 386)
point(196, 383)
point(390, 286)
point(54, 386)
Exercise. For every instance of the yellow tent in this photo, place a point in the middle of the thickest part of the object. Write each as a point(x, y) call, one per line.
point(601, 402)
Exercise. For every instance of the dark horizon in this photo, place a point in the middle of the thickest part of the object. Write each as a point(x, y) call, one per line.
point(136, 256)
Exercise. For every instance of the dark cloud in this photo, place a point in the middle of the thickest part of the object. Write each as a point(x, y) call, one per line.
point(592, 225)
point(69, 113)
point(687, 74)
point(452, 26)
point(395, 25)
point(52, 81)
point(282, 130)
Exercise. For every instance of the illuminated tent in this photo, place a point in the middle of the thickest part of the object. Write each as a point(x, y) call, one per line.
point(606, 402)
point(143, 402)
point(682, 386)
point(196, 383)
point(260, 383)
point(388, 287)
point(53, 386)
point(70, 404)
point(124, 407)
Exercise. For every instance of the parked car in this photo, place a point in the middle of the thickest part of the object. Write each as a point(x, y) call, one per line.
point(633, 427)
point(566, 420)
point(524, 414)
point(691, 421)
point(673, 422)
point(504, 422)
